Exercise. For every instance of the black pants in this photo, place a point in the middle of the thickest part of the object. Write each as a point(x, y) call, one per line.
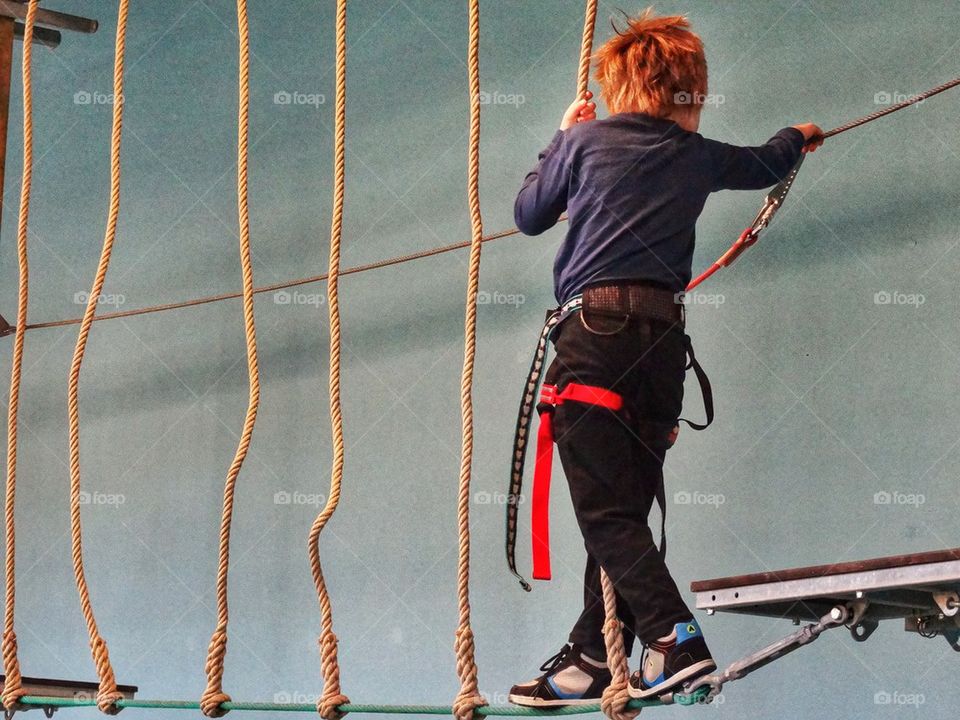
point(614, 465)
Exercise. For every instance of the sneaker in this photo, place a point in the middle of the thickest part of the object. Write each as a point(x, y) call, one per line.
point(570, 678)
point(671, 661)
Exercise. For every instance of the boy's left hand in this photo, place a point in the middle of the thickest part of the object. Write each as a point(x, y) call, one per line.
point(582, 110)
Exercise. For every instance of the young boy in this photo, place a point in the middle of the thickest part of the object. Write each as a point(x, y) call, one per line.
point(633, 186)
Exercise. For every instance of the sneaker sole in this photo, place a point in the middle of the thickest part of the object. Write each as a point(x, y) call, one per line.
point(528, 701)
point(671, 683)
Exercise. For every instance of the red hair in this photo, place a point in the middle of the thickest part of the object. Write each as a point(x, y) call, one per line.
point(654, 66)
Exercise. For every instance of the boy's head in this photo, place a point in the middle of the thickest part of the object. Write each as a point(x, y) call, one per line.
point(656, 65)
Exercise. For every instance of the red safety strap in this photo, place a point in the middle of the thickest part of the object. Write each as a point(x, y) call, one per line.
point(550, 398)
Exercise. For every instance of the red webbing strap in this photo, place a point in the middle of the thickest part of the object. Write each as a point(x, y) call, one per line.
point(543, 470)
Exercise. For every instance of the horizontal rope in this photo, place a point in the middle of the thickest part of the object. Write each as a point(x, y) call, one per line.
point(286, 285)
point(487, 710)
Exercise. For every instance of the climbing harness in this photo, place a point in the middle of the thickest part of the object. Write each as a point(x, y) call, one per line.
point(607, 297)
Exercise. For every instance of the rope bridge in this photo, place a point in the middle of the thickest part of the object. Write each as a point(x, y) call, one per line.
point(332, 704)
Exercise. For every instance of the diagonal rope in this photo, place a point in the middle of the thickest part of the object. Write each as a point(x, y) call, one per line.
point(107, 693)
point(332, 697)
point(214, 696)
point(13, 681)
point(616, 696)
point(469, 697)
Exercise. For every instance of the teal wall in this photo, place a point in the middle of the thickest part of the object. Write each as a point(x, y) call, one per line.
point(824, 396)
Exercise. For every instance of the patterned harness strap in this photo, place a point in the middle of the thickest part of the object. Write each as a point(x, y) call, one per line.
point(522, 434)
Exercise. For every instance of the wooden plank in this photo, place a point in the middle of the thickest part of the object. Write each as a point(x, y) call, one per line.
point(815, 571)
point(67, 685)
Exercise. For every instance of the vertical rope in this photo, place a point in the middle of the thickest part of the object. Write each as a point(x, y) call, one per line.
point(213, 696)
point(332, 697)
point(107, 693)
point(616, 696)
point(13, 681)
point(586, 48)
point(469, 698)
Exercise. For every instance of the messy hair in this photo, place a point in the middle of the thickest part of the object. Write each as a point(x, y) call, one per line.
point(655, 65)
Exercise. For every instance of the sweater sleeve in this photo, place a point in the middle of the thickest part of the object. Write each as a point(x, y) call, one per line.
point(543, 195)
point(754, 168)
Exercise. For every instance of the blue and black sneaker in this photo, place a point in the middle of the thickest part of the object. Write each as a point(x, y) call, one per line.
point(671, 661)
point(570, 678)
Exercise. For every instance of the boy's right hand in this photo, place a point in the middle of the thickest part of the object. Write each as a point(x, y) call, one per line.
point(582, 110)
point(812, 136)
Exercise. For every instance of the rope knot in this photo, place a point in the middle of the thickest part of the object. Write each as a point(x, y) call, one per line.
point(13, 682)
point(213, 697)
point(328, 706)
point(107, 692)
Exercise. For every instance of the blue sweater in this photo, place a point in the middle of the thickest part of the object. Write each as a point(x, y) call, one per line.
point(633, 187)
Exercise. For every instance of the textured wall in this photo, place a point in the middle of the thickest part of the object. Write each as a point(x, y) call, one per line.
point(825, 396)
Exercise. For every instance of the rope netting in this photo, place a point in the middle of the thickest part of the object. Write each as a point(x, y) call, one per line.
point(12, 684)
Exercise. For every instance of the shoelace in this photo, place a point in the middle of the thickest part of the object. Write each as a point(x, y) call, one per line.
point(553, 662)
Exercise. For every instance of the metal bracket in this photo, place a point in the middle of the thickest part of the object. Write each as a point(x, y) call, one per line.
point(948, 602)
point(838, 616)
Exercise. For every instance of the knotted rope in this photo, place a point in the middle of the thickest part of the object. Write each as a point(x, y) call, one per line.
point(615, 697)
point(13, 682)
point(469, 698)
point(214, 696)
point(332, 697)
point(107, 693)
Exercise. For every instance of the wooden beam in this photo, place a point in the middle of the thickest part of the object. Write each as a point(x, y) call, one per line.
point(41, 36)
point(49, 18)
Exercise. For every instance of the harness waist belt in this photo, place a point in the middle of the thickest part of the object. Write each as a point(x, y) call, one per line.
point(646, 301)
